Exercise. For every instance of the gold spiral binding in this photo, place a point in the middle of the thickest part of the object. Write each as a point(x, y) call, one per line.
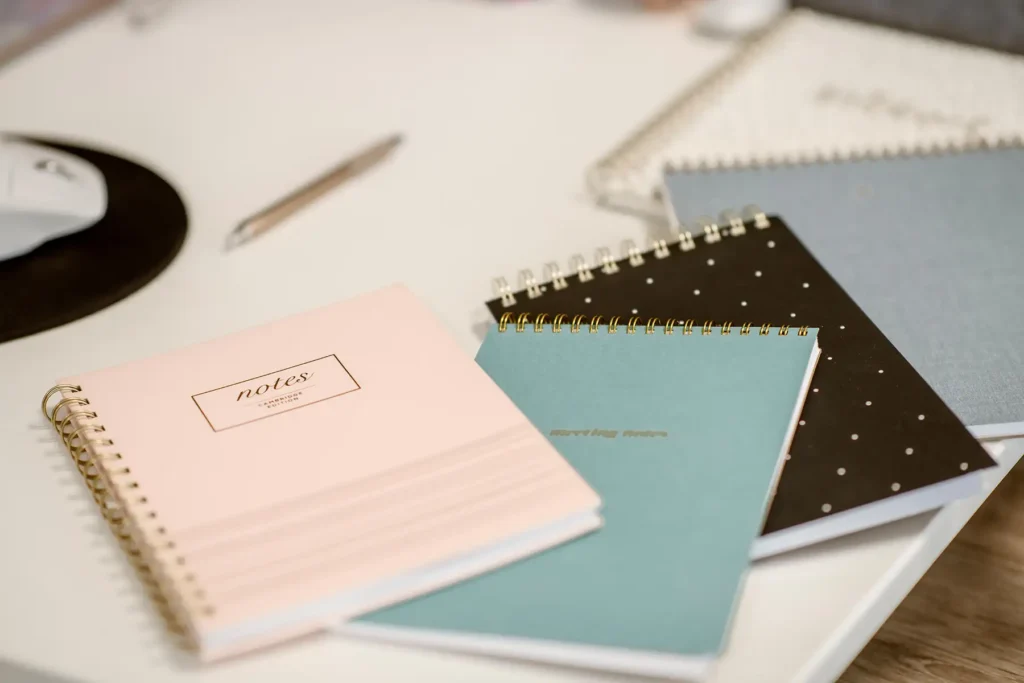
point(62, 429)
point(81, 455)
point(81, 430)
point(123, 507)
point(63, 403)
point(578, 322)
point(70, 388)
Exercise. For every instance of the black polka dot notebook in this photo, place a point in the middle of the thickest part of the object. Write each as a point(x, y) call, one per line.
point(874, 443)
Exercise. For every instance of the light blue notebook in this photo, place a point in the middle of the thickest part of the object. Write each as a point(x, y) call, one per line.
point(683, 436)
point(930, 246)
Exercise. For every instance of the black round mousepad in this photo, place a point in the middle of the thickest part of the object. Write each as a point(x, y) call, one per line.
point(79, 274)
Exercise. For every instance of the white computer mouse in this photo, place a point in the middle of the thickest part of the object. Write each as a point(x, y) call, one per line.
point(44, 194)
point(738, 18)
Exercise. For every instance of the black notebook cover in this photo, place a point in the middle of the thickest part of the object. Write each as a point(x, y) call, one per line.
point(871, 429)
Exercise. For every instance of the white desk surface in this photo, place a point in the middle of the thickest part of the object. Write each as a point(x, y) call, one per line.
point(237, 101)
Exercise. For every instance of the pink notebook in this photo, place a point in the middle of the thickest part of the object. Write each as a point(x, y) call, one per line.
point(275, 481)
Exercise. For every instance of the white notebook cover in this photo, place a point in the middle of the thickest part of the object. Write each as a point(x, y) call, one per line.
point(817, 86)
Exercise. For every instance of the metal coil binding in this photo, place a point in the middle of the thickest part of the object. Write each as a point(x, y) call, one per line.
point(729, 224)
point(954, 145)
point(124, 507)
point(622, 165)
point(622, 169)
point(635, 323)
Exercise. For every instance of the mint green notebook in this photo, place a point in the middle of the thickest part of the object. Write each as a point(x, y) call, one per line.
point(683, 436)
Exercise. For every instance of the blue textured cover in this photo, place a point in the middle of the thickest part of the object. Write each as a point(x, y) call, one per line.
point(681, 436)
point(930, 247)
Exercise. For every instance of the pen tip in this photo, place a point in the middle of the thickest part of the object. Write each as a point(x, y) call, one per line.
point(234, 239)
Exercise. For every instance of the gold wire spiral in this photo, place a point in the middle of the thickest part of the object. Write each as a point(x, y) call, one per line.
point(70, 388)
point(521, 320)
point(64, 403)
point(78, 433)
point(84, 441)
point(62, 430)
point(83, 449)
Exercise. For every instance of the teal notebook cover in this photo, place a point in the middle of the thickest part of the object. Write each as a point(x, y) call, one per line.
point(681, 435)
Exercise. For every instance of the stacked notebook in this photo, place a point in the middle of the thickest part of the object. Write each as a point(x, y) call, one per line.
point(682, 428)
point(591, 492)
point(928, 245)
point(778, 100)
point(636, 429)
point(282, 479)
point(875, 442)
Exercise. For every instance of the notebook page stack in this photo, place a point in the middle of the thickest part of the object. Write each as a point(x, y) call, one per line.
point(682, 429)
point(276, 481)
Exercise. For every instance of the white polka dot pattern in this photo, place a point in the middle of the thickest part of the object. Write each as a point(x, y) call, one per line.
point(905, 434)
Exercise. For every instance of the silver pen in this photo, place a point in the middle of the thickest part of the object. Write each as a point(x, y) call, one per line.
point(260, 222)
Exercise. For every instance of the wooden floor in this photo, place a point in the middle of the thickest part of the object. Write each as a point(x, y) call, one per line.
point(964, 621)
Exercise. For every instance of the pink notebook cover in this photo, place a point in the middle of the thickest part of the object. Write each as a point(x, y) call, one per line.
point(316, 455)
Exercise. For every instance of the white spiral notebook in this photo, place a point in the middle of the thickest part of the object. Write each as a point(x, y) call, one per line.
point(819, 86)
